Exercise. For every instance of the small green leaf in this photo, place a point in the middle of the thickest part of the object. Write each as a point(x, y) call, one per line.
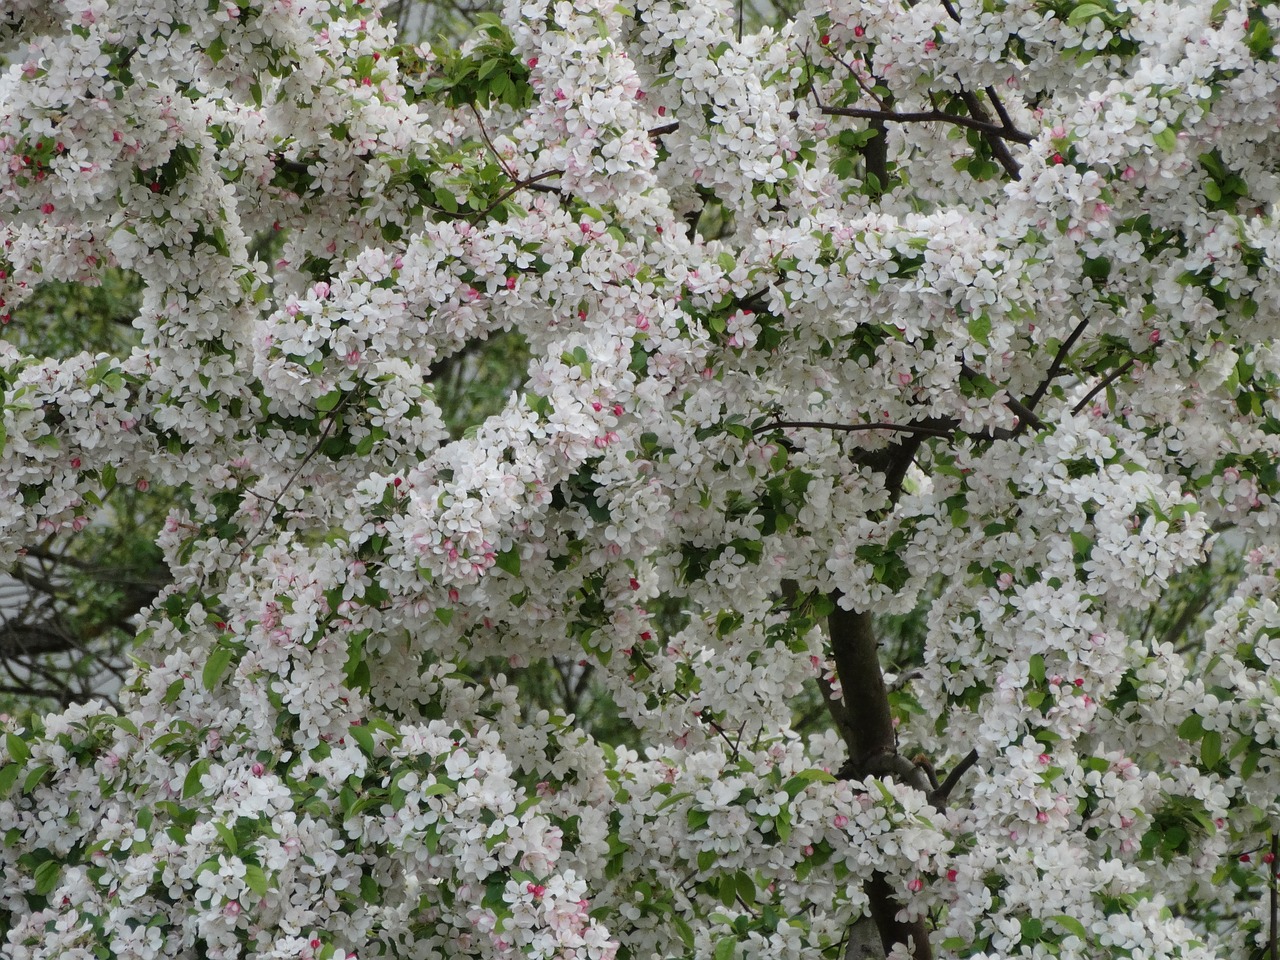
point(1084, 12)
point(255, 879)
point(1166, 139)
point(980, 329)
point(363, 736)
point(509, 560)
point(724, 950)
point(1072, 926)
point(683, 929)
point(34, 777)
point(226, 835)
point(191, 783)
point(17, 747)
point(1211, 748)
point(46, 877)
point(216, 665)
point(728, 890)
point(330, 400)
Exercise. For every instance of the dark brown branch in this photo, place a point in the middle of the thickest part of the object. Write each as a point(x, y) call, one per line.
point(998, 148)
point(1111, 378)
point(853, 643)
point(1001, 112)
point(1055, 368)
point(489, 143)
point(938, 799)
point(1026, 416)
point(513, 190)
point(1275, 898)
point(922, 429)
point(995, 139)
point(33, 640)
point(985, 127)
point(873, 751)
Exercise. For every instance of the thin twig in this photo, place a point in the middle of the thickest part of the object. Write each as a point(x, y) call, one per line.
point(1026, 416)
point(320, 442)
point(1056, 367)
point(953, 778)
point(1275, 897)
point(516, 188)
point(489, 143)
point(985, 127)
point(1111, 378)
point(1001, 112)
point(853, 427)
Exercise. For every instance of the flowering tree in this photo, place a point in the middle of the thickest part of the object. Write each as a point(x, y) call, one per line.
point(978, 295)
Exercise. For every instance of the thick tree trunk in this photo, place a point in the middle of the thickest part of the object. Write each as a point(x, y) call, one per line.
point(866, 724)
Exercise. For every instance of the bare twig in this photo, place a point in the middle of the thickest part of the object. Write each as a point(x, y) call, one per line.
point(939, 797)
point(922, 429)
point(1275, 897)
point(1026, 416)
point(489, 143)
point(1111, 378)
point(984, 127)
point(1055, 368)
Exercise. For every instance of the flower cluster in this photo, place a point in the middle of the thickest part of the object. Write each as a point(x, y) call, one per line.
point(965, 303)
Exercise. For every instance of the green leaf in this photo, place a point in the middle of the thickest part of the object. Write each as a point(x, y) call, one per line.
point(1084, 12)
point(1166, 139)
point(509, 560)
point(363, 736)
point(226, 835)
point(1211, 748)
point(980, 329)
point(369, 889)
point(17, 747)
point(46, 877)
point(216, 665)
point(724, 950)
point(8, 777)
point(683, 929)
point(330, 400)
point(1072, 926)
point(1247, 768)
point(191, 783)
point(34, 777)
point(728, 892)
point(255, 879)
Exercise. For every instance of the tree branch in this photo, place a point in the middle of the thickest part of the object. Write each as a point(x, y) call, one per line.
point(1055, 368)
point(938, 798)
point(915, 428)
point(1109, 379)
point(985, 127)
point(33, 640)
